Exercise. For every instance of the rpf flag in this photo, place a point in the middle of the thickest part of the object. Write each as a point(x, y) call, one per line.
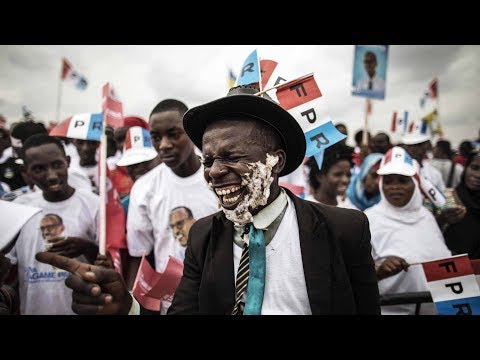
point(151, 287)
point(111, 106)
point(418, 128)
point(430, 191)
point(430, 93)
point(144, 281)
point(453, 285)
point(399, 123)
point(80, 126)
point(301, 97)
point(115, 216)
point(69, 74)
point(272, 75)
point(250, 70)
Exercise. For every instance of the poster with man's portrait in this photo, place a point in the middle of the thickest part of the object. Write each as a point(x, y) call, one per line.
point(370, 71)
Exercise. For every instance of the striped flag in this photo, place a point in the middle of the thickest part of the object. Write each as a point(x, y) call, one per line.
point(80, 126)
point(399, 124)
point(453, 285)
point(434, 194)
point(73, 76)
point(250, 70)
point(301, 97)
point(112, 106)
point(418, 127)
point(430, 93)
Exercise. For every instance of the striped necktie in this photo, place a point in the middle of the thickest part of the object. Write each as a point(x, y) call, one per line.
point(242, 281)
point(251, 274)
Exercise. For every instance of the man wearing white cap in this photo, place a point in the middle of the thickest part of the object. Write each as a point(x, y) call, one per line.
point(403, 232)
point(415, 143)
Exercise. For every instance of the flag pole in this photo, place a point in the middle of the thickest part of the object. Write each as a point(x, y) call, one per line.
point(438, 106)
point(365, 125)
point(103, 188)
point(260, 75)
point(59, 96)
point(283, 84)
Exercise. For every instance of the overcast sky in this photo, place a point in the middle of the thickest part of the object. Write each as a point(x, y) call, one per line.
point(144, 75)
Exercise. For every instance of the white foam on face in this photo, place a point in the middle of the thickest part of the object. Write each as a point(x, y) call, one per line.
point(258, 190)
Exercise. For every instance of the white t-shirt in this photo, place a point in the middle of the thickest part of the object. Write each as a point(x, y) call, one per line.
point(152, 198)
point(42, 287)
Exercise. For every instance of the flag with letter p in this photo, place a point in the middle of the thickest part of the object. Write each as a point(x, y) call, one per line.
point(73, 76)
point(301, 97)
point(453, 285)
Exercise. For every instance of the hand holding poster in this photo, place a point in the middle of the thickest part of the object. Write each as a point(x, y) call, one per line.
point(370, 71)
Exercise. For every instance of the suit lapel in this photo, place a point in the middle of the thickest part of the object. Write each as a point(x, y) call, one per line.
point(316, 256)
point(222, 263)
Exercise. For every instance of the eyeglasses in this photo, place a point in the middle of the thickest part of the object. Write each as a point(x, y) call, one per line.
point(48, 227)
point(179, 224)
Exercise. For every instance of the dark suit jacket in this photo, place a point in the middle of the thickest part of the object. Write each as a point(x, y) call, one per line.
point(336, 253)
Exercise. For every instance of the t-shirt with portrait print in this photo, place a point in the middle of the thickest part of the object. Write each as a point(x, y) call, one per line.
point(42, 287)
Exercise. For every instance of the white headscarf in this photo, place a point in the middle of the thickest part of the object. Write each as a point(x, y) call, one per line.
point(409, 232)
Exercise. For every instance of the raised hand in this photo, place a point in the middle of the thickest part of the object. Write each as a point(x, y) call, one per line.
point(96, 290)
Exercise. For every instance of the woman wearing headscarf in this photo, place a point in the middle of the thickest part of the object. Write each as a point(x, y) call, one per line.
point(328, 185)
point(463, 236)
point(363, 189)
point(403, 232)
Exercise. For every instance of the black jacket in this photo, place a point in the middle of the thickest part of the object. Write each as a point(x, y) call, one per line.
point(336, 253)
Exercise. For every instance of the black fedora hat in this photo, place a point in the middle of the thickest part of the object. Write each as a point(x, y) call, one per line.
point(241, 101)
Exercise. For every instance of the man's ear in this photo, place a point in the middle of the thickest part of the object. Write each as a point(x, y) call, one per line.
point(282, 157)
point(69, 159)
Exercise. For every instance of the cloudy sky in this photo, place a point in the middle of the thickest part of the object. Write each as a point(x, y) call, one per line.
point(144, 75)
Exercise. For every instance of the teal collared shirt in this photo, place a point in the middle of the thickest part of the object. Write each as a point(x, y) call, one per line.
point(268, 219)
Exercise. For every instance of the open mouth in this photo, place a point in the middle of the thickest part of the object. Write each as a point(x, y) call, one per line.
point(54, 187)
point(229, 195)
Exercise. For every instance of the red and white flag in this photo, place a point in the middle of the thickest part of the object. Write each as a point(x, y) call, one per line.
point(73, 76)
point(272, 75)
point(144, 281)
point(453, 285)
point(399, 123)
point(112, 106)
point(151, 287)
point(302, 98)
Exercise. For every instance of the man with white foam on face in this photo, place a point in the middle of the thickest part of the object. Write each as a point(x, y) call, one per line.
point(305, 258)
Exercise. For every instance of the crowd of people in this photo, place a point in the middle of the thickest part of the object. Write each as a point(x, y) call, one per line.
point(203, 185)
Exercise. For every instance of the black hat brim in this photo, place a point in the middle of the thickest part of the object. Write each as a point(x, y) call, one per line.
point(251, 106)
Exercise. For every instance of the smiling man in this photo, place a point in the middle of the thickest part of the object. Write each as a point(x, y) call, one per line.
point(267, 251)
point(71, 213)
